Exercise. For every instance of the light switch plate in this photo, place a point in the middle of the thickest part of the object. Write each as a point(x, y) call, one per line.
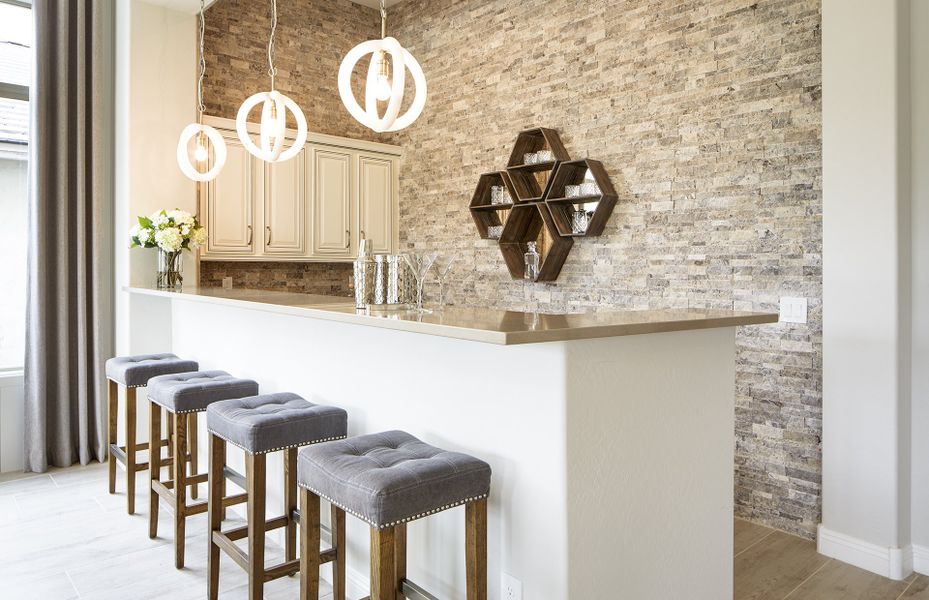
point(793, 310)
point(510, 588)
point(227, 283)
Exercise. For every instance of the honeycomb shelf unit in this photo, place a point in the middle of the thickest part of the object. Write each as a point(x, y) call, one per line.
point(540, 211)
point(532, 222)
point(575, 172)
point(530, 182)
point(484, 213)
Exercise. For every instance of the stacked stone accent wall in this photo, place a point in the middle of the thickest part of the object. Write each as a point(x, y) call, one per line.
point(707, 115)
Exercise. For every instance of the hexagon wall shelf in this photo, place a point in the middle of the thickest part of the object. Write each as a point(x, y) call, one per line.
point(574, 172)
point(540, 212)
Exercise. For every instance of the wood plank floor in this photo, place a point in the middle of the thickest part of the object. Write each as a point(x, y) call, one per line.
point(63, 537)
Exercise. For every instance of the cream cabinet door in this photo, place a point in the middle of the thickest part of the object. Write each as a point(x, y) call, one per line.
point(332, 203)
point(229, 203)
point(284, 208)
point(376, 201)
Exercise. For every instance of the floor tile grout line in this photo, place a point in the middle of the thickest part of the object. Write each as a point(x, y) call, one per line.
point(908, 586)
point(755, 543)
point(813, 574)
point(71, 581)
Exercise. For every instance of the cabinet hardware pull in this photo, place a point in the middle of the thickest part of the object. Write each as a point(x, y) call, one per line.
point(348, 244)
point(363, 236)
point(249, 242)
point(268, 240)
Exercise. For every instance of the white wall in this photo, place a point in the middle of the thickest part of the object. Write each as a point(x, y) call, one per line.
point(875, 254)
point(919, 160)
point(156, 69)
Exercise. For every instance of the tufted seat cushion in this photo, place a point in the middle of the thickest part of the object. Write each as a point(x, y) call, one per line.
point(193, 392)
point(135, 371)
point(275, 421)
point(391, 477)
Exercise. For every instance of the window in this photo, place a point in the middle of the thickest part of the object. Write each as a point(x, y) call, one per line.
point(15, 72)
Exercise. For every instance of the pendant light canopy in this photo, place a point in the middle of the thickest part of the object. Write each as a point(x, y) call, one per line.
point(387, 55)
point(195, 164)
point(273, 127)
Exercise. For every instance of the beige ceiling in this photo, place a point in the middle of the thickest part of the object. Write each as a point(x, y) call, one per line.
point(192, 6)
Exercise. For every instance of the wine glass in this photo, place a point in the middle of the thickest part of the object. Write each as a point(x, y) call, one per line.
point(443, 266)
point(420, 263)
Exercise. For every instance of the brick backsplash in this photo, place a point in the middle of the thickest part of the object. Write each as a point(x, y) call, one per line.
point(331, 279)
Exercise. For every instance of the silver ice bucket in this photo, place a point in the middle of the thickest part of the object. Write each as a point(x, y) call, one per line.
point(383, 281)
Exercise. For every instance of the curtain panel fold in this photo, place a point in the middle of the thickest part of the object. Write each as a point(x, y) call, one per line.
point(69, 317)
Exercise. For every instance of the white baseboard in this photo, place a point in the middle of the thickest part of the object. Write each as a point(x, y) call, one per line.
point(921, 559)
point(894, 563)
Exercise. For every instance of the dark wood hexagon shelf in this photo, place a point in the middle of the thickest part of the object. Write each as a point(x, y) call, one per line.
point(532, 222)
point(530, 182)
point(574, 172)
point(484, 213)
point(540, 211)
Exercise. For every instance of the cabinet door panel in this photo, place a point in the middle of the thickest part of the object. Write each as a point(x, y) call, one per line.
point(285, 198)
point(375, 185)
point(332, 203)
point(229, 203)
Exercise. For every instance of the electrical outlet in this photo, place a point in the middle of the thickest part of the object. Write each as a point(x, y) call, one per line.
point(510, 588)
point(227, 283)
point(793, 310)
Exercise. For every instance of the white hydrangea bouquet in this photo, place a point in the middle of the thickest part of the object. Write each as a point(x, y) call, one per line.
point(171, 232)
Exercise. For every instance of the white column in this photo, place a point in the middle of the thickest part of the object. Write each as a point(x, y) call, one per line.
point(866, 279)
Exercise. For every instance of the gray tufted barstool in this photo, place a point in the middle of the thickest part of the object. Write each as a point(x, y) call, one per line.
point(133, 372)
point(261, 425)
point(386, 480)
point(184, 396)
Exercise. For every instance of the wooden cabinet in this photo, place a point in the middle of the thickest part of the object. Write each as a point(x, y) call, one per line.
point(228, 204)
point(314, 207)
point(285, 208)
point(375, 191)
point(332, 203)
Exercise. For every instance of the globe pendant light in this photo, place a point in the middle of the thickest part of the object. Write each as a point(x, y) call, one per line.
point(387, 55)
point(273, 128)
point(195, 166)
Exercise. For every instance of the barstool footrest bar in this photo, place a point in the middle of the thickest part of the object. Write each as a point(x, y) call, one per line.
point(240, 533)
point(234, 476)
point(285, 569)
point(414, 592)
point(238, 555)
point(295, 515)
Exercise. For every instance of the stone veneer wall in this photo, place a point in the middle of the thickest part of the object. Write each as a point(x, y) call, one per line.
point(707, 115)
point(330, 279)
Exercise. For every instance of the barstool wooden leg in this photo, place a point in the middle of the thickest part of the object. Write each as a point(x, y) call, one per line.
point(169, 417)
point(400, 556)
point(192, 447)
point(112, 417)
point(337, 525)
point(476, 549)
point(154, 466)
point(384, 585)
point(290, 503)
point(255, 479)
point(180, 488)
point(130, 449)
point(216, 477)
point(309, 546)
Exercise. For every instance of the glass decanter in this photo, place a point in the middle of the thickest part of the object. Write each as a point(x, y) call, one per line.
point(532, 261)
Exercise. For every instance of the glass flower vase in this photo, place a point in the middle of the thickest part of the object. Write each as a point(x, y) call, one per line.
point(170, 274)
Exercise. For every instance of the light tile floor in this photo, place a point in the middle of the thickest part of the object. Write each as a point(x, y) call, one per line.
point(62, 536)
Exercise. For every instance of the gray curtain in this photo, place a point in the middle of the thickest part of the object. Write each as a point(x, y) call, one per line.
point(70, 260)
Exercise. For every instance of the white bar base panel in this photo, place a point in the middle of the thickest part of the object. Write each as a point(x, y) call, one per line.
point(893, 563)
point(612, 458)
point(921, 559)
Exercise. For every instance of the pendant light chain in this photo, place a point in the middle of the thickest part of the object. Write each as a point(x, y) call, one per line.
point(201, 108)
point(383, 19)
point(272, 71)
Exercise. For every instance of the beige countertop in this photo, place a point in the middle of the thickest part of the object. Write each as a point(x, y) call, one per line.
point(487, 325)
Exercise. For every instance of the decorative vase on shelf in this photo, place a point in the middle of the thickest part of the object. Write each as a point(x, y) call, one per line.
point(170, 232)
point(170, 274)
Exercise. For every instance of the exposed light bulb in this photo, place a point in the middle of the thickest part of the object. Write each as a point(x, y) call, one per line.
point(383, 88)
point(201, 154)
